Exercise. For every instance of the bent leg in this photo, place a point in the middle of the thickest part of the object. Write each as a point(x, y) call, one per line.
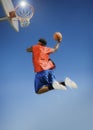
point(59, 85)
point(43, 90)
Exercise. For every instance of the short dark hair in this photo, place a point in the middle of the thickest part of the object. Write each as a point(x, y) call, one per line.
point(43, 41)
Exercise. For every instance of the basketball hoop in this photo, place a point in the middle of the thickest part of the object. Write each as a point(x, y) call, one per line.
point(24, 14)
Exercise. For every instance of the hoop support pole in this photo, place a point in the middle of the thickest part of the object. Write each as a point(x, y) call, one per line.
point(3, 18)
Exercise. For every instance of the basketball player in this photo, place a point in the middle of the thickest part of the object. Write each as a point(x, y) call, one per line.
point(45, 79)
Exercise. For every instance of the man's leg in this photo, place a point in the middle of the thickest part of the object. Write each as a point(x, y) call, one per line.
point(59, 85)
point(63, 83)
point(54, 82)
point(43, 90)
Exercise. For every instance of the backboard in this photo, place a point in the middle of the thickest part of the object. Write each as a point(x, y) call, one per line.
point(9, 7)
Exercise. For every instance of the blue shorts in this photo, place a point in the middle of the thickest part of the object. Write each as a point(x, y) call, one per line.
point(44, 78)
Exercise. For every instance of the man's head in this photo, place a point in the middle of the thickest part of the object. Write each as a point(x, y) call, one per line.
point(42, 41)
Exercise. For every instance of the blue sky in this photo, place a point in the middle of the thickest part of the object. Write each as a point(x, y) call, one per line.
point(20, 107)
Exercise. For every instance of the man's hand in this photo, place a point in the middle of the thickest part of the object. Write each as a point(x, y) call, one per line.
point(59, 40)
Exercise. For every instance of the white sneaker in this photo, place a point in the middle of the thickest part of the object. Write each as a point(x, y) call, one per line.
point(70, 83)
point(57, 85)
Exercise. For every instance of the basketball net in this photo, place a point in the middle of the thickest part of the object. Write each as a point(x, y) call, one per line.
point(24, 14)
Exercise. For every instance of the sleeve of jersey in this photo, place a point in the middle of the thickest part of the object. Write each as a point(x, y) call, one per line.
point(34, 49)
point(49, 50)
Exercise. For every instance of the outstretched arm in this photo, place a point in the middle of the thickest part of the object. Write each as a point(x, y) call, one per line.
point(29, 49)
point(56, 46)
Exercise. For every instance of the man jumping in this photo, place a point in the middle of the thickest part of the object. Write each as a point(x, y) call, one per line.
point(45, 79)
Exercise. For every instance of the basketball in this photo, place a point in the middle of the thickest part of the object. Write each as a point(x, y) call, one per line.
point(57, 36)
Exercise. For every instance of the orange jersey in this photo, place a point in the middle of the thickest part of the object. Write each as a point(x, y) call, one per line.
point(40, 57)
